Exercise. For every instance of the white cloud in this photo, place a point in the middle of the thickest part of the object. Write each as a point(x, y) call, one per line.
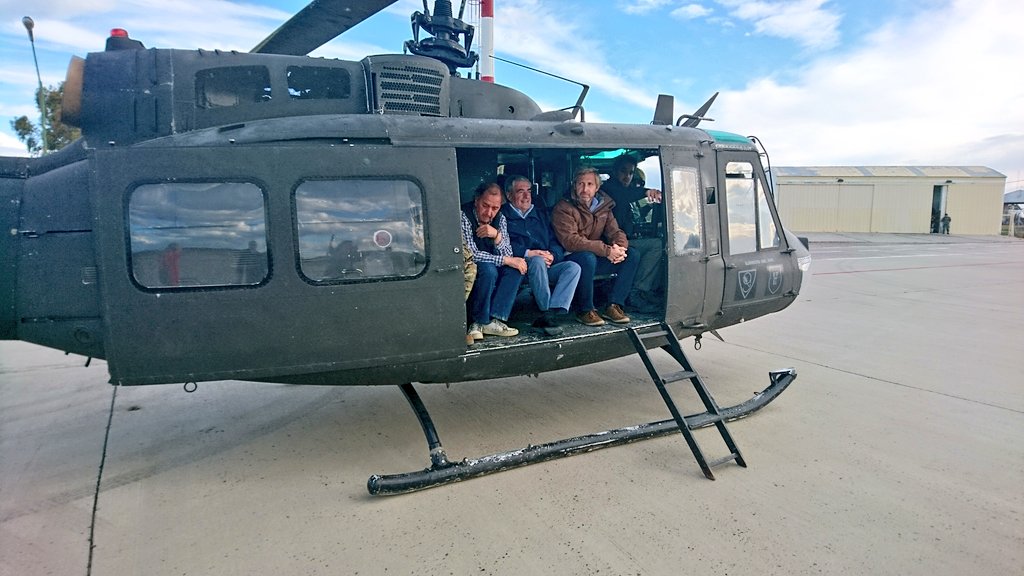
point(936, 89)
point(690, 12)
point(62, 25)
point(11, 146)
point(530, 31)
point(347, 50)
point(641, 6)
point(807, 22)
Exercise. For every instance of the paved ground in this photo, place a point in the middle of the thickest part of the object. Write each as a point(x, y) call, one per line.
point(896, 451)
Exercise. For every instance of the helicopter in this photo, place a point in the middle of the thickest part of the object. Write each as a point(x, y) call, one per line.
point(272, 217)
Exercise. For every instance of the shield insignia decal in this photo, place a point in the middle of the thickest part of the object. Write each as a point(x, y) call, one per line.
point(774, 279)
point(745, 281)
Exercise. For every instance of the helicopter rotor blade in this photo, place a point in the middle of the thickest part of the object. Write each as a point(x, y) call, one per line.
point(317, 24)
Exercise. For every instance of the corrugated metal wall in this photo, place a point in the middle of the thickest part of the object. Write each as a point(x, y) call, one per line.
point(809, 207)
point(903, 206)
point(887, 204)
point(854, 213)
point(975, 209)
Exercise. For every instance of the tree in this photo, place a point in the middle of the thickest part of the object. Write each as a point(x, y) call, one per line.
point(58, 134)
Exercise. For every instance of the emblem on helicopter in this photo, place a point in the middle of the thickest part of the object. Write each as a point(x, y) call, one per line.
point(774, 279)
point(745, 281)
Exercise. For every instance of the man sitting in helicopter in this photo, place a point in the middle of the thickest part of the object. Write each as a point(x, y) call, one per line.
point(626, 187)
point(586, 226)
point(532, 238)
point(498, 272)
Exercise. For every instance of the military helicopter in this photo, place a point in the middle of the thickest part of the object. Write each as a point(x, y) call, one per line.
point(272, 217)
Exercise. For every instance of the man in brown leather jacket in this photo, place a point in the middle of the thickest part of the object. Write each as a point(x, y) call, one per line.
point(586, 227)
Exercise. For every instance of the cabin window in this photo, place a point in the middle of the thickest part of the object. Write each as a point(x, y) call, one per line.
point(196, 234)
point(359, 230)
point(232, 86)
point(318, 83)
point(686, 220)
point(751, 226)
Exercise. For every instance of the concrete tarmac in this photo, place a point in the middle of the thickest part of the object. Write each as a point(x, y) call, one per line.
point(898, 450)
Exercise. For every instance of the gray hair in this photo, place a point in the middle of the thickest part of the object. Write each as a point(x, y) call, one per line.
point(510, 184)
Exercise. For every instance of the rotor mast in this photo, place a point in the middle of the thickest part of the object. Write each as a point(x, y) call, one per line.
point(487, 40)
point(446, 30)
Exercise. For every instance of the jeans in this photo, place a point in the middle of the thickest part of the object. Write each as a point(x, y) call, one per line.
point(564, 275)
point(648, 274)
point(590, 265)
point(494, 292)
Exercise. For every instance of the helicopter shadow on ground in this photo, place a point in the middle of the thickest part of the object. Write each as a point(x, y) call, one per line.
point(345, 434)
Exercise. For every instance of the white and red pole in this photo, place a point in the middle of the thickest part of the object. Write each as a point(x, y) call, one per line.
point(487, 40)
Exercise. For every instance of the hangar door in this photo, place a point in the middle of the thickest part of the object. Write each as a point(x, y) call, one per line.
point(833, 207)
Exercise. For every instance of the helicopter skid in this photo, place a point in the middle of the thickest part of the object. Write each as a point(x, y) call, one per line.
point(443, 471)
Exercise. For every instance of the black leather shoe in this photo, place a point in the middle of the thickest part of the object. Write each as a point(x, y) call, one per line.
point(548, 324)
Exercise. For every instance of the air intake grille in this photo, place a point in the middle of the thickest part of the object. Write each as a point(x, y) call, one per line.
point(410, 90)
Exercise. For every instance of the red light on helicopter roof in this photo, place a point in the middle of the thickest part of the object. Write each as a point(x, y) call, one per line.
point(118, 33)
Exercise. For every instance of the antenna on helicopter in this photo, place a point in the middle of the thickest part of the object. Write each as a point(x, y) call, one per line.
point(555, 114)
point(693, 119)
point(445, 29)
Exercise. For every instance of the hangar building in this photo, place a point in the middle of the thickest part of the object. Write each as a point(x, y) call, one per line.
point(889, 198)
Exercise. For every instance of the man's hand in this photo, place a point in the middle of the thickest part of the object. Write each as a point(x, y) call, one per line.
point(616, 253)
point(654, 195)
point(487, 231)
point(548, 257)
point(515, 262)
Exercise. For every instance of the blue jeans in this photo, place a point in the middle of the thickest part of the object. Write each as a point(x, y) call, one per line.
point(494, 292)
point(591, 265)
point(564, 275)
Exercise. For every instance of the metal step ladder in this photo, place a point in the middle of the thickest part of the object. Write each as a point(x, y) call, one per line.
point(688, 373)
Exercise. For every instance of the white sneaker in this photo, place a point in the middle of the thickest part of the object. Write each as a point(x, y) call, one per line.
point(498, 328)
point(474, 332)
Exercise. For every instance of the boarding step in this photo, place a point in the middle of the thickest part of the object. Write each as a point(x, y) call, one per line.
point(718, 462)
point(688, 373)
point(678, 376)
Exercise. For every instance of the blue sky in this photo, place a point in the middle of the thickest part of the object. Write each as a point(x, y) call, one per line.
point(843, 82)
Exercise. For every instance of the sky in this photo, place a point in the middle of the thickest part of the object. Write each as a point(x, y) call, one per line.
point(819, 82)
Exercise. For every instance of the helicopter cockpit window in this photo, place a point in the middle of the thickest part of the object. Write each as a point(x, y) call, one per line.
point(232, 86)
point(751, 226)
point(355, 230)
point(197, 234)
point(318, 83)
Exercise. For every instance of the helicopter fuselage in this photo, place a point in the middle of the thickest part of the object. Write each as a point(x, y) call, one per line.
point(291, 219)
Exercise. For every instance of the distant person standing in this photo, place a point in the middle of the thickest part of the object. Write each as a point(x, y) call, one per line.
point(248, 265)
point(945, 223)
point(170, 261)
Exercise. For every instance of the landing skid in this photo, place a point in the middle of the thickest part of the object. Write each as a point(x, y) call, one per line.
point(442, 471)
